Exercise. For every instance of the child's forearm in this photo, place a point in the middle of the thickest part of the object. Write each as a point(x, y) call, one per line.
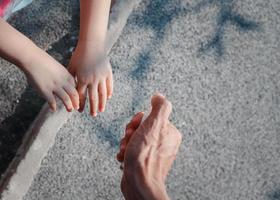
point(15, 47)
point(94, 21)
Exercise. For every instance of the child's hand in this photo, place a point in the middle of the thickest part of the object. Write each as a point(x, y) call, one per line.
point(93, 71)
point(51, 78)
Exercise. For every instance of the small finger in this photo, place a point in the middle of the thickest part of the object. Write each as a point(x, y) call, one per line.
point(102, 96)
point(110, 84)
point(74, 96)
point(93, 99)
point(81, 88)
point(63, 96)
point(51, 101)
point(72, 81)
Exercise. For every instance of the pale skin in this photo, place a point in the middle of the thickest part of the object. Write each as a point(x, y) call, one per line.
point(147, 151)
point(89, 63)
point(48, 76)
point(90, 70)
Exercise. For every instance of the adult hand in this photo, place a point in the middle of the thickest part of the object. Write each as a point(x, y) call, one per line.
point(148, 150)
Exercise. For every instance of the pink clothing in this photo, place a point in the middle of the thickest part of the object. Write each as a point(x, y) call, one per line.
point(4, 4)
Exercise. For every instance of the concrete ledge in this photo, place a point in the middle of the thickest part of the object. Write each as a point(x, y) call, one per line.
point(41, 135)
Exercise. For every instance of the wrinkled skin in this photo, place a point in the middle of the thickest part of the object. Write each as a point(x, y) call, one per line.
point(148, 150)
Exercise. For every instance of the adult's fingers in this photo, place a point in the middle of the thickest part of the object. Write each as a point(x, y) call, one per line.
point(93, 98)
point(158, 118)
point(102, 92)
point(82, 88)
point(175, 134)
point(130, 129)
point(123, 145)
point(135, 121)
point(170, 140)
point(73, 94)
point(63, 96)
point(169, 146)
point(161, 107)
point(120, 155)
point(132, 126)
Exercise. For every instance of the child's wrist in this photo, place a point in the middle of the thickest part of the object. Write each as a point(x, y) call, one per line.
point(94, 45)
point(92, 50)
point(32, 53)
point(27, 54)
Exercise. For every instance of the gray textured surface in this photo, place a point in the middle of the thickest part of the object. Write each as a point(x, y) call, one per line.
point(225, 100)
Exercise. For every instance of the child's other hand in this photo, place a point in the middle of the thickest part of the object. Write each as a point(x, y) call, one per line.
point(51, 78)
point(93, 71)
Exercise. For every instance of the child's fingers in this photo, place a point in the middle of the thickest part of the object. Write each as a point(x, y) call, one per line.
point(72, 92)
point(51, 101)
point(102, 92)
point(110, 85)
point(82, 88)
point(72, 81)
point(60, 93)
point(93, 98)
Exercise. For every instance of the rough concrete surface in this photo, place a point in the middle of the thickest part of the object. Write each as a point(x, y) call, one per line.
point(48, 24)
point(218, 63)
